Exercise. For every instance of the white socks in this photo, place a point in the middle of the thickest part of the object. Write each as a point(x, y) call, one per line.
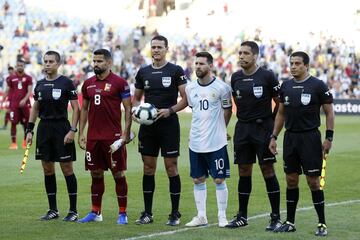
point(200, 198)
point(222, 198)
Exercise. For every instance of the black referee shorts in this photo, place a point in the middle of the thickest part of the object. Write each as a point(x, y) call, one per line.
point(251, 140)
point(303, 152)
point(163, 134)
point(50, 142)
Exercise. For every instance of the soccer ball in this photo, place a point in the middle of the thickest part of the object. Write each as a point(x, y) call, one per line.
point(145, 113)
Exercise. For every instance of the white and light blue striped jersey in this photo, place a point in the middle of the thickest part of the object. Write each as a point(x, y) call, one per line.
point(208, 128)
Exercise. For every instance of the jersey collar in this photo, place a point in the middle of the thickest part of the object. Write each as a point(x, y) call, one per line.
point(301, 81)
point(204, 85)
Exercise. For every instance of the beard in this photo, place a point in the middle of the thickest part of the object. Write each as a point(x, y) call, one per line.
point(201, 74)
point(98, 70)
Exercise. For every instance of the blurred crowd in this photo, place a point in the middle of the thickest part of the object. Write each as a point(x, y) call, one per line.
point(28, 34)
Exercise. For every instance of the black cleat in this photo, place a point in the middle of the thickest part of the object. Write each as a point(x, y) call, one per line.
point(145, 218)
point(174, 219)
point(286, 227)
point(50, 215)
point(274, 222)
point(237, 221)
point(71, 217)
point(321, 230)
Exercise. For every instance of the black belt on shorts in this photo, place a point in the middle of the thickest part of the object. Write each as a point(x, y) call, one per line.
point(302, 131)
point(257, 120)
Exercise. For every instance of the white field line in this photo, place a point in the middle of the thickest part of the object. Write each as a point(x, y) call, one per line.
point(253, 217)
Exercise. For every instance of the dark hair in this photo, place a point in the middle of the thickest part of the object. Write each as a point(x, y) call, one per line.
point(206, 55)
point(161, 38)
point(303, 55)
point(253, 45)
point(106, 53)
point(54, 53)
point(10, 68)
point(20, 60)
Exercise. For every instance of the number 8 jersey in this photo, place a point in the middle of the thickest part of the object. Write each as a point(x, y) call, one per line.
point(208, 128)
point(105, 96)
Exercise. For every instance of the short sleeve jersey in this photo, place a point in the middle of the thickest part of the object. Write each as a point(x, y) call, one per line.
point(18, 88)
point(160, 85)
point(253, 93)
point(302, 101)
point(208, 128)
point(53, 97)
point(105, 97)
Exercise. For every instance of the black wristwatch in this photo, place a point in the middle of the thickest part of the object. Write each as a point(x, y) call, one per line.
point(73, 129)
point(273, 136)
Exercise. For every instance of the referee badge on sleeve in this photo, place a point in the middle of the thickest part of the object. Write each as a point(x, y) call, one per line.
point(56, 93)
point(305, 98)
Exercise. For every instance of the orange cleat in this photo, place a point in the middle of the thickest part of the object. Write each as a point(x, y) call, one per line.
point(13, 146)
point(24, 144)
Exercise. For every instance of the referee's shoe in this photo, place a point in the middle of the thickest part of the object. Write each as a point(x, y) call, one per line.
point(286, 227)
point(50, 215)
point(237, 221)
point(321, 230)
point(71, 217)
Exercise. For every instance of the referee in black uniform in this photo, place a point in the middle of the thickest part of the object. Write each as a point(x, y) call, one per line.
point(253, 90)
point(160, 83)
point(300, 101)
point(55, 135)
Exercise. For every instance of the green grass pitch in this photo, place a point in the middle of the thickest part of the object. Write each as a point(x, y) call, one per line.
point(23, 199)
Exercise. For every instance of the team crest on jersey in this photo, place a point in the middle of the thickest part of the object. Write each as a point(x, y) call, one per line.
point(56, 93)
point(305, 98)
point(20, 85)
point(166, 81)
point(258, 91)
point(107, 87)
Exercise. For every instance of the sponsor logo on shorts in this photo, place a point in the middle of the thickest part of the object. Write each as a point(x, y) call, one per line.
point(172, 152)
point(65, 157)
point(313, 170)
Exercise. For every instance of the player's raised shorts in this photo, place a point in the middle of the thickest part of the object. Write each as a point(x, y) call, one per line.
point(97, 156)
point(303, 152)
point(50, 141)
point(19, 115)
point(163, 134)
point(214, 163)
point(251, 140)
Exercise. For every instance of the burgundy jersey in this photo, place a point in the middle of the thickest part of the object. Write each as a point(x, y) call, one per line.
point(105, 96)
point(18, 88)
